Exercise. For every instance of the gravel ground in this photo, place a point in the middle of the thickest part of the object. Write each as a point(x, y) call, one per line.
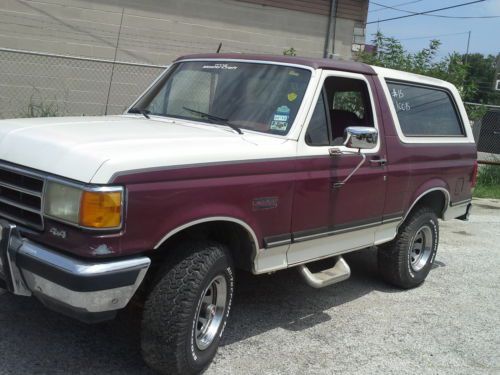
point(450, 325)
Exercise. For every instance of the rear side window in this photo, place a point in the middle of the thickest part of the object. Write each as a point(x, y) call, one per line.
point(425, 111)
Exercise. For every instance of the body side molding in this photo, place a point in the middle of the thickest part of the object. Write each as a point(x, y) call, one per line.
point(311, 234)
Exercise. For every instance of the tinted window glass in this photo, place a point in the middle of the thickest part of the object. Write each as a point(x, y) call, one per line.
point(260, 97)
point(317, 131)
point(424, 111)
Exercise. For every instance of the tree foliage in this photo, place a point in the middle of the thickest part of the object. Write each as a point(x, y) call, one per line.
point(290, 52)
point(390, 53)
point(468, 78)
point(481, 70)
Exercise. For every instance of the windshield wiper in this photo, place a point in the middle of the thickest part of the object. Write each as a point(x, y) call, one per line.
point(219, 120)
point(142, 111)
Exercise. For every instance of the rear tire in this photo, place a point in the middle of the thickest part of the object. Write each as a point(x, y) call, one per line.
point(406, 261)
point(186, 312)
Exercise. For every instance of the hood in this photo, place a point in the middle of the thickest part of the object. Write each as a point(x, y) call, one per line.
point(93, 149)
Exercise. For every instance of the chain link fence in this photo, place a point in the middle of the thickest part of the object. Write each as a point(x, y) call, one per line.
point(39, 84)
point(36, 84)
point(487, 136)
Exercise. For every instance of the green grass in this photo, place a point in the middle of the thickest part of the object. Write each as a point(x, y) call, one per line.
point(488, 182)
point(482, 191)
point(40, 109)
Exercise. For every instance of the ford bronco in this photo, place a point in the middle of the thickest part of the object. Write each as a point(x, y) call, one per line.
point(230, 162)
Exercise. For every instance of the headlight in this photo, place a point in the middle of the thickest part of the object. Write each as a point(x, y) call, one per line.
point(63, 202)
point(99, 208)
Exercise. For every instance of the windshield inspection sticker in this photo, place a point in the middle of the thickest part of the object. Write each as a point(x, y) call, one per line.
point(292, 96)
point(280, 119)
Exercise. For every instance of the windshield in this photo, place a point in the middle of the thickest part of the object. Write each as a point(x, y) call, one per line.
point(260, 97)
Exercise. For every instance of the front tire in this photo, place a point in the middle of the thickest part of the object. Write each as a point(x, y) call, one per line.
point(186, 312)
point(406, 261)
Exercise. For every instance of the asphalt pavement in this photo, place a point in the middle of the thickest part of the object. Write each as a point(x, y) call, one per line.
point(279, 325)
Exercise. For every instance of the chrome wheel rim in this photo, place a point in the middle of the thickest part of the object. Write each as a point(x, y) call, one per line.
point(210, 313)
point(421, 248)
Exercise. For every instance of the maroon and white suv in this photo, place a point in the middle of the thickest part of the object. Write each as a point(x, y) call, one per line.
point(259, 163)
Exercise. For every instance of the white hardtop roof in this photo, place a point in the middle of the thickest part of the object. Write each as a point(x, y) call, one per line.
point(411, 77)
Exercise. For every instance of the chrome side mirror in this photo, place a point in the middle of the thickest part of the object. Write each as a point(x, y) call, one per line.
point(360, 137)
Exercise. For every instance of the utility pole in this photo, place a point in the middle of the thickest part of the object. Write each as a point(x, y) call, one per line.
point(496, 80)
point(330, 33)
point(467, 52)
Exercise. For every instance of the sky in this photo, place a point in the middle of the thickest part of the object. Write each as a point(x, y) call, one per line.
point(416, 32)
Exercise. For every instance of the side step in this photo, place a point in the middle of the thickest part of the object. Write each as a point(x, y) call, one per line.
point(339, 272)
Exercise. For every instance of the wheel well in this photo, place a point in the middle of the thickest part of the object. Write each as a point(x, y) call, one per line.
point(435, 200)
point(234, 236)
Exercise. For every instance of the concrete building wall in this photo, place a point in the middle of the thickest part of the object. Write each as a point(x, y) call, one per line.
point(156, 31)
point(146, 31)
point(344, 38)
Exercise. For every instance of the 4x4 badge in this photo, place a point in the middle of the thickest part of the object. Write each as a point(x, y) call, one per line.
point(58, 232)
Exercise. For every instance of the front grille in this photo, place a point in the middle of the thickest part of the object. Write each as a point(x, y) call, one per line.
point(21, 197)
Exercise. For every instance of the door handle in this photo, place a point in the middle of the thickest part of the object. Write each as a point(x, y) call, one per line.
point(378, 160)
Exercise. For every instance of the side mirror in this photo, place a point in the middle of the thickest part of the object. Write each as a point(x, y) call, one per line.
point(360, 137)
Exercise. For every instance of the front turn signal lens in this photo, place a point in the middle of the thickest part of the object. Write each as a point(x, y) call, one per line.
point(101, 209)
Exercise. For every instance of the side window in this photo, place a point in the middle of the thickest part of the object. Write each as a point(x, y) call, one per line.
point(317, 131)
point(425, 111)
point(351, 101)
point(349, 105)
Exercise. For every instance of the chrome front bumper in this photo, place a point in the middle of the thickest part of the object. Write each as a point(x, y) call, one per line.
point(89, 291)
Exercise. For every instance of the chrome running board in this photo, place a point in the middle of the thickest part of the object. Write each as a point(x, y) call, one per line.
point(339, 272)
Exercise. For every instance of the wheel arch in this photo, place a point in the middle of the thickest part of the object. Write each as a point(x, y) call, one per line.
point(235, 233)
point(437, 198)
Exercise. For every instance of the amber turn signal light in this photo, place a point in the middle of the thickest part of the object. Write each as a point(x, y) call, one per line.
point(101, 209)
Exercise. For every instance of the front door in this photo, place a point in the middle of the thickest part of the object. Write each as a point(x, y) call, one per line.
point(330, 217)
